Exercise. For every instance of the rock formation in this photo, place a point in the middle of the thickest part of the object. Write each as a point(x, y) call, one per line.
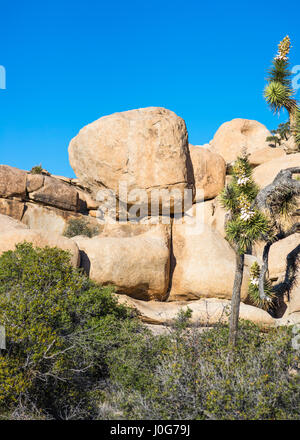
point(158, 264)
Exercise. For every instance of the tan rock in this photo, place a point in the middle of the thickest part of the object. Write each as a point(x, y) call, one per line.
point(11, 207)
point(56, 193)
point(137, 265)
point(212, 214)
point(209, 172)
point(86, 200)
point(10, 224)
point(12, 182)
point(50, 219)
point(233, 136)
point(145, 149)
point(203, 265)
point(266, 154)
point(205, 312)
point(35, 182)
point(278, 255)
point(9, 239)
point(264, 174)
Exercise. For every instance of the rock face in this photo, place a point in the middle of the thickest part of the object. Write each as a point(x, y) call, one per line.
point(266, 154)
point(54, 192)
point(209, 172)
point(12, 207)
point(203, 264)
point(205, 312)
point(11, 237)
point(265, 173)
point(145, 149)
point(237, 134)
point(137, 265)
point(10, 224)
point(12, 181)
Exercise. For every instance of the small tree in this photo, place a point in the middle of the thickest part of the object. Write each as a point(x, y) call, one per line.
point(245, 226)
point(279, 93)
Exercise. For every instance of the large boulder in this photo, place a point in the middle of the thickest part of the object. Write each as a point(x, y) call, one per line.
point(12, 207)
point(264, 174)
point(12, 182)
point(233, 136)
point(10, 224)
point(205, 312)
point(56, 193)
point(265, 154)
point(137, 264)
point(144, 149)
point(209, 172)
point(203, 264)
point(51, 219)
point(10, 238)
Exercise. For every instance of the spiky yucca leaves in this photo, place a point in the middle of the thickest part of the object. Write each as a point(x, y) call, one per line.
point(268, 301)
point(279, 93)
point(279, 96)
point(247, 224)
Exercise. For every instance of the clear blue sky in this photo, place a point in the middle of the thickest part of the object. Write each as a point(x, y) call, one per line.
point(71, 62)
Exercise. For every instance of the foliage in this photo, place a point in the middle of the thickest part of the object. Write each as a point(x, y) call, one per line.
point(59, 327)
point(246, 224)
point(195, 375)
point(80, 226)
point(279, 93)
point(38, 169)
point(265, 303)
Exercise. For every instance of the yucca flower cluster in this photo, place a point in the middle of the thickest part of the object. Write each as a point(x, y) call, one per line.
point(267, 301)
point(246, 223)
point(279, 93)
point(283, 49)
point(246, 212)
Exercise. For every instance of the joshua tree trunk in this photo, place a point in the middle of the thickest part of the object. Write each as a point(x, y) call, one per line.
point(236, 299)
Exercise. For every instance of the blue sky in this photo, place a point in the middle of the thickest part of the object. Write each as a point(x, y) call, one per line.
point(71, 62)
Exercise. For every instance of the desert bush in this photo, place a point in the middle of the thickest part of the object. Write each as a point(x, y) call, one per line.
point(79, 226)
point(37, 169)
point(196, 376)
point(59, 328)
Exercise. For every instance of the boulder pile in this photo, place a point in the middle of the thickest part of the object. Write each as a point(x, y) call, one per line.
point(153, 197)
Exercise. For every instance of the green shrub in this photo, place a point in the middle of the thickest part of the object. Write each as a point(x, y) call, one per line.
point(60, 327)
point(79, 226)
point(38, 169)
point(196, 376)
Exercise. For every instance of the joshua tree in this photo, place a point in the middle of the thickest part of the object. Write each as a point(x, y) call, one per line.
point(244, 227)
point(279, 93)
point(257, 215)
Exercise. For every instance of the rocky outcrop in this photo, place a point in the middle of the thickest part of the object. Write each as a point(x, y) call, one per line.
point(234, 136)
point(10, 224)
point(203, 264)
point(43, 201)
point(56, 193)
point(12, 182)
point(205, 312)
point(13, 236)
point(137, 264)
point(266, 154)
point(209, 171)
point(144, 149)
point(265, 173)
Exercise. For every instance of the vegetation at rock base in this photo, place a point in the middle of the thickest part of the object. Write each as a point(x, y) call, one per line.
point(79, 226)
point(74, 353)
